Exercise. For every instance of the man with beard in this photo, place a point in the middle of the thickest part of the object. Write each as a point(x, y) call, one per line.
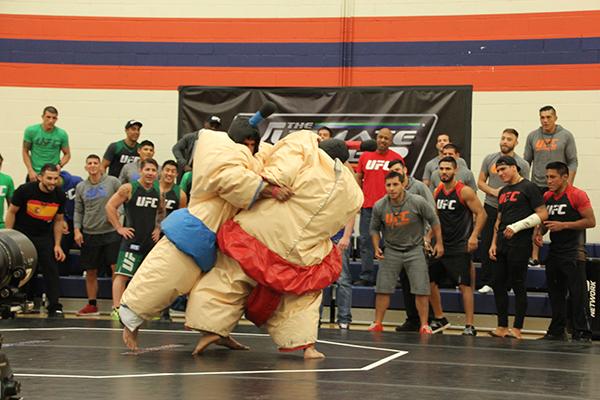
point(520, 209)
point(457, 205)
point(463, 173)
point(490, 184)
point(37, 210)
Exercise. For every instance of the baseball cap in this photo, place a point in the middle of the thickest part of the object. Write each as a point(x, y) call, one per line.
point(133, 122)
point(507, 160)
point(213, 119)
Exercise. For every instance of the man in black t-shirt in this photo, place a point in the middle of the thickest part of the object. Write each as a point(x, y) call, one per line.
point(520, 209)
point(570, 214)
point(123, 152)
point(461, 217)
point(37, 210)
point(144, 210)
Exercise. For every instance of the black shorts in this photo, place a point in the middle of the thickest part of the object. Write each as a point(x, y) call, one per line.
point(100, 251)
point(457, 267)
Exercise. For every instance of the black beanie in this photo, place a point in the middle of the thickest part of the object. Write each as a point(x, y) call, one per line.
point(335, 148)
point(240, 129)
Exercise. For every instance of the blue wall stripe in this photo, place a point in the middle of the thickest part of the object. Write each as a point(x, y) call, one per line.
point(401, 54)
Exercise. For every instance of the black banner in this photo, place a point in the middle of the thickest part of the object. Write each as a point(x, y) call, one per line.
point(415, 115)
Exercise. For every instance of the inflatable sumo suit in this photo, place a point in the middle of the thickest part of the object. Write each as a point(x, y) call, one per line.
point(225, 179)
point(275, 258)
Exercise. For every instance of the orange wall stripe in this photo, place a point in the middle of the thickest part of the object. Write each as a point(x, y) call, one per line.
point(505, 78)
point(304, 30)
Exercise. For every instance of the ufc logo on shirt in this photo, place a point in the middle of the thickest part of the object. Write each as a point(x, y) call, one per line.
point(445, 204)
point(556, 209)
point(125, 159)
point(151, 202)
point(374, 165)
point(70, 194)
point(170, 204)
point(509, 196)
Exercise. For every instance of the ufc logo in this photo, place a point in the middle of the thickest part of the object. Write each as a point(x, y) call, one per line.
point(556, 209)
point(143, 201)
point(70, 194)
point(445, 204)
point(545, 145)
point(128, 261)
point(374, 165)
point(125, 159)
point(397, 219)
point(509, 196)
point(170, 204)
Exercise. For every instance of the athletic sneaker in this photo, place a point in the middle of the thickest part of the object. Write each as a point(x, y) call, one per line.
point(534, 263)
point(88, 309)
point(555, 337)
point(439, 324)
point(469, 331)
point(114, 315)
point(485, 289)
point(581, 337)
point(56, 314)
point(425, 330)
point(375, 327)
point(408, 326)
point(344, 325)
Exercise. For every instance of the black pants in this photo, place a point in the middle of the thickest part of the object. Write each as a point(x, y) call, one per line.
point(510, 271)
point(487, 234)
point(567, 275)
point(48, 266)
point(67, 243)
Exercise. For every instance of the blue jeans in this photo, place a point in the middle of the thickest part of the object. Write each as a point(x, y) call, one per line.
point(344, 290)
point(367, 254)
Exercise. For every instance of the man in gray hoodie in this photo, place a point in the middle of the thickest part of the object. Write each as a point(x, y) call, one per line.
point(549, 143)
point(97, 238)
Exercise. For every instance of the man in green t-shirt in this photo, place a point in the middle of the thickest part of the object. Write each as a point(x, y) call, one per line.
point(7, 188)
point(42, 144)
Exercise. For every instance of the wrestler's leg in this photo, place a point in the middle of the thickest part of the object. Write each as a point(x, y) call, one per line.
point(165, 274)
point(217, 302)
point(295, 324)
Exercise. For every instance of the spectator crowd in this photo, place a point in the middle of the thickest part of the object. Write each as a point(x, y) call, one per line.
point(422, 232)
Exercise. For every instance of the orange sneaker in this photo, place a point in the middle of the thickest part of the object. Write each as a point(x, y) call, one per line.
point(375, 327)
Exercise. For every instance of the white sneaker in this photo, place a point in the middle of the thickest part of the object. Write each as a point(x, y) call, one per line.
point(534, 263)
point(485, 290)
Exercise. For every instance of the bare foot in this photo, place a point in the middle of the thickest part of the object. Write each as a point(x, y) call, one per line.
point(232, 344)
point(515, 333)
point(499, 332)
point(206, 340)
point(311, 353)
point(130, 339)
